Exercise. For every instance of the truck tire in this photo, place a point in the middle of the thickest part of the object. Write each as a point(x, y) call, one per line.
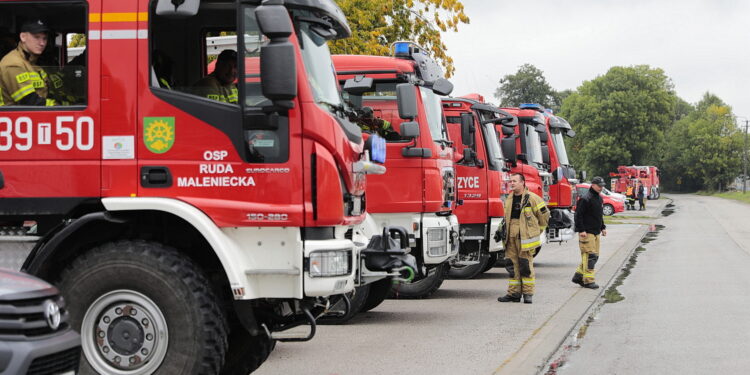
point(608, 210)
point(378, 293)
point(141, 308)
point(470, 272)
point(422, 288)
point(246, 353)
point(491, 262)
point(358, 297)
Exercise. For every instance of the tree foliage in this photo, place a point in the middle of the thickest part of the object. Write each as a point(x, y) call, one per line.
point(77, 40)
point(703, 150)
point(527, 85)
point(377, 24)
point(620, 118)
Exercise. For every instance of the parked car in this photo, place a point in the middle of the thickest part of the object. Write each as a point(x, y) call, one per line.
point(611, 206)
point(35, 337)
point(618, 196)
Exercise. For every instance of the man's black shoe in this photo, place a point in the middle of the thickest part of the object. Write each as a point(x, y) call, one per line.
point(577, 279)
point(591, 286)
point(527, 298)
point(510, 298)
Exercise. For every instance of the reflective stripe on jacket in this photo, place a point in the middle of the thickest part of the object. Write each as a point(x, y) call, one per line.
point(534, 218)
point(20, 77)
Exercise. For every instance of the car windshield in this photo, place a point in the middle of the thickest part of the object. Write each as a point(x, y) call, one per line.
point(319, 66)
point(434, 109)
point(562, 154)
point(533, 145)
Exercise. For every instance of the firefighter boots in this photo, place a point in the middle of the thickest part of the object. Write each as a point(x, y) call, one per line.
point(509, 298)
point(527, 298)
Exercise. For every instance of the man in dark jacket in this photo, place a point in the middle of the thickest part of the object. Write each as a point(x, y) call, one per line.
point(590, 227)
point(641, 197)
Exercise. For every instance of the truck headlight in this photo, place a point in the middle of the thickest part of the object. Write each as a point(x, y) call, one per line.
point(327, 263)
point(436, 242)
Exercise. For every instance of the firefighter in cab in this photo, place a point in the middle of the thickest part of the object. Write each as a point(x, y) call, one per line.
point(24, 82)
point(219, 85)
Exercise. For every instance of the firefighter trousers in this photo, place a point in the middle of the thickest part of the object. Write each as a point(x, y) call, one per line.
point(589, 255)
point(521, 270)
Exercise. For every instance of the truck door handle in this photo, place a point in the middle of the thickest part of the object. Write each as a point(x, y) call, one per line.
point(156, 177)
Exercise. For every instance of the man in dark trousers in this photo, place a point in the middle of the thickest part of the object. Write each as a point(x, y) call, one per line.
point(590, 227)
point(641, 197)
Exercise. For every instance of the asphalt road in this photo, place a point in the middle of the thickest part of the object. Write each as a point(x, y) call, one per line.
point(462, 329)
point(687, 306)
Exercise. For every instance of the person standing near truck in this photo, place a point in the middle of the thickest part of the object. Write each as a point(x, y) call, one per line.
point(590, 227)
point(526, 217)
point(641, 197)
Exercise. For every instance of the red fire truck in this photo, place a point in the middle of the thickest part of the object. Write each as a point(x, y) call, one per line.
point(627, 176)
point(483, 181)
point(187, 234)
point(398, 97)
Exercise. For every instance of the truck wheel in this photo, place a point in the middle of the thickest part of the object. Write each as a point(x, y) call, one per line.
point(422, 288)
point(246, 353)
point(357, 299)
point(608, 210)
point(490, 262)
point(144, 308)
point(378, 293)
point(470, 272)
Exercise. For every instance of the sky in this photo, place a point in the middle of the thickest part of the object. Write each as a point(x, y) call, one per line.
point(702, 45)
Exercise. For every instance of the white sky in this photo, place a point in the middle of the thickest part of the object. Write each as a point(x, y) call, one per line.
point(703, 45)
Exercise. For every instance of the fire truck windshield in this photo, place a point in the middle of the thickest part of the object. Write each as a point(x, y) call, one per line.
point(434, 108)
point(533, 145)
point(562, 154)
point(319, 66)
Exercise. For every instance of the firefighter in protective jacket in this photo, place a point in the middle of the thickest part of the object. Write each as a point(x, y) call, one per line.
point(23, 81)
point(526, 217)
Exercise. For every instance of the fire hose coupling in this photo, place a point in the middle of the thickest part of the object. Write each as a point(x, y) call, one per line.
point(389, 251)
point(405, 274)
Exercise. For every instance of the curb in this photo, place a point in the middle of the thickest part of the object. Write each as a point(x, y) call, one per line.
point(537, 351)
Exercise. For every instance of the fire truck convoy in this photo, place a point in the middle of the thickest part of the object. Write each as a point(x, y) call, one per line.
point(627, 176)
point(186, 234)
point(400, 99)
point(483, 182)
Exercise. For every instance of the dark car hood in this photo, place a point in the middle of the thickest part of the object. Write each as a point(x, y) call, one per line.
point(16, 285)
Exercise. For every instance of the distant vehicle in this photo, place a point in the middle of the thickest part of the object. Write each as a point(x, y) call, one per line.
point(627, 176)
point(614, 195)
point(611, 204)
point(35, 337)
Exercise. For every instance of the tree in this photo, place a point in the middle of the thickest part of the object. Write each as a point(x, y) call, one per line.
point(703, 150)
point(377, 24)
point(77, 40)
point(620, 118)
point(527, 85)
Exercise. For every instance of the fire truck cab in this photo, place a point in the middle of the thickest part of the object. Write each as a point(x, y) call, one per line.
point(399, 98)
point(188, 228)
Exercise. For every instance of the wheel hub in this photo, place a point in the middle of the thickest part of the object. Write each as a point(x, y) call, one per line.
point(124, 332)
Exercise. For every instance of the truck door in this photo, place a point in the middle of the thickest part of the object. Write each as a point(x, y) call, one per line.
point(50, 153)
point(198, 138)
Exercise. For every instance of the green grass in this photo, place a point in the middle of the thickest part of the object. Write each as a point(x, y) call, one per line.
point(737, 195)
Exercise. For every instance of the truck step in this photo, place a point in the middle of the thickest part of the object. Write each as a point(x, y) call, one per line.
point(17, 234)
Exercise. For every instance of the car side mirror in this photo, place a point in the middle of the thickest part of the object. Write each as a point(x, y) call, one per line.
point(508, 131)
point(467, 129)
point(359, 85)
point(406, 98)
point(278, 68)
point(545, 155)
point(570, 133)
point(409, 129)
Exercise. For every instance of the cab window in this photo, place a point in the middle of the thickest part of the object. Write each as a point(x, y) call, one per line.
point(43, 55)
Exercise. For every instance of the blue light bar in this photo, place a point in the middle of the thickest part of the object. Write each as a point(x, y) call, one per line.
point(401, 49)
point(533, 106)
point(377, 151)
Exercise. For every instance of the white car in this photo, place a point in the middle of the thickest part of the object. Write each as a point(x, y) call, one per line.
point(617, 196)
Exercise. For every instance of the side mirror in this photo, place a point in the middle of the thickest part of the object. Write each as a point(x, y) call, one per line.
point(543, 137)
point(545, 155)
point(442, 87)
point(409, 129)
point(359, 85)
point(467, 129)
point(583, 175)
point(508, 131)
point(177, 8)
point(469, 156)
point(278, 68)
point(375, 144)
point(508, 146)
point(570, 133)
point(406, 97)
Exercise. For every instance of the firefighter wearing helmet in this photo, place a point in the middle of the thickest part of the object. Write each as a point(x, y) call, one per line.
point(526, 218)
point(23, 81)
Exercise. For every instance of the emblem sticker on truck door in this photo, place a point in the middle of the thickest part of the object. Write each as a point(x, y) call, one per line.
point(158, 133)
